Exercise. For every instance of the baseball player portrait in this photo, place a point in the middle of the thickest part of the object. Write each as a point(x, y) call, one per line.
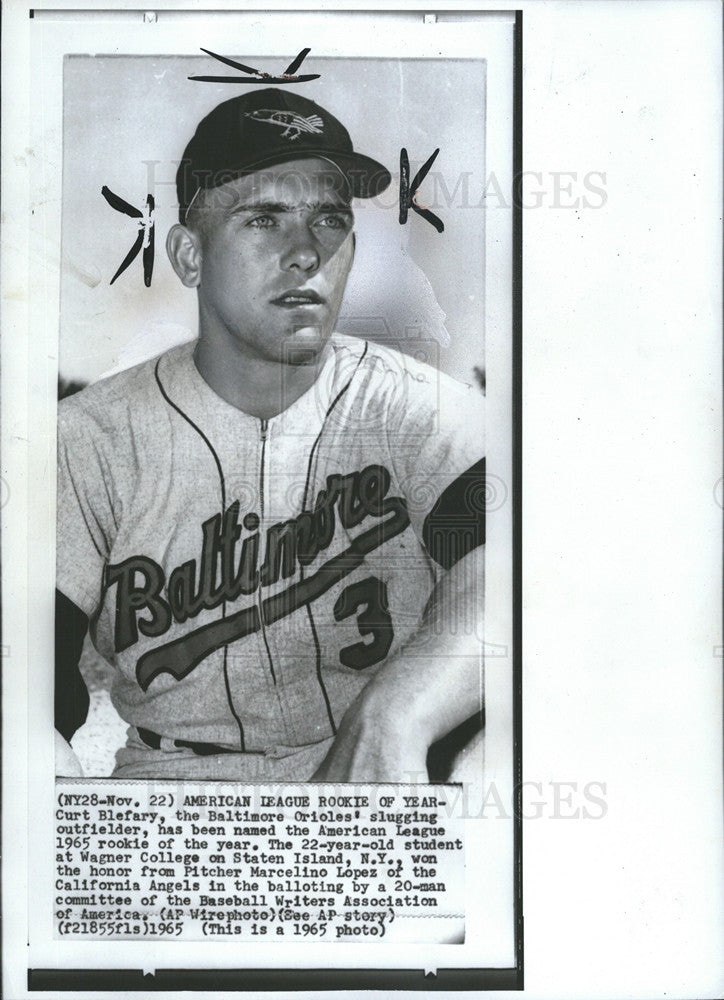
point(274, 533)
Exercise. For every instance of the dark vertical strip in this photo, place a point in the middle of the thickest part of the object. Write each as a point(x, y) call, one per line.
point(305, 502)
point(222, 482)
point(517, 485)
point(320, 679)
point(331, 407)
point(198, 431)
point(261, 512)
point(72, 700)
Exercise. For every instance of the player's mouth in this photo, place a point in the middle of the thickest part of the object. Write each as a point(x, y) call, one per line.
point(297, 297)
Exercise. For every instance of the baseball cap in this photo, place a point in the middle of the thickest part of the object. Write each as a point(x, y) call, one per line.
point(264, 127)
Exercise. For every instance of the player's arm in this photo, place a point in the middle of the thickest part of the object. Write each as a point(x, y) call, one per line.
point(422, 693)
point(71, 694)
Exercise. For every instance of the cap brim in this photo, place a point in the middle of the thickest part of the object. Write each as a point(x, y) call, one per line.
point(366, 176)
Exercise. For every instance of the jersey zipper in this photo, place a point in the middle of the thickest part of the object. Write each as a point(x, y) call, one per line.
point(260, 603)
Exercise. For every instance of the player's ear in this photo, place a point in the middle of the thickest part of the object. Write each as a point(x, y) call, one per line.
point(183, 247)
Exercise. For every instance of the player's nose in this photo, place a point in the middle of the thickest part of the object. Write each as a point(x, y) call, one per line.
point(301, 251)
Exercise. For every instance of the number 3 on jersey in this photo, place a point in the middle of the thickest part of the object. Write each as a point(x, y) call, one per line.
point(373, 620)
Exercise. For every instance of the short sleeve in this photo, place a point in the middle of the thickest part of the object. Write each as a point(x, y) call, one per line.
point(85, 510)
point(439, 448)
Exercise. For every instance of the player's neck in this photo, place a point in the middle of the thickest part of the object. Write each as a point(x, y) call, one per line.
point(256, 386)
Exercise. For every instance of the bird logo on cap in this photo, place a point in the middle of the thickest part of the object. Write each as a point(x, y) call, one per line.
point(292, 123)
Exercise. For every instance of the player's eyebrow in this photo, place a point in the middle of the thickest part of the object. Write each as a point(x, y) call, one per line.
point(281, 207)
point(260, 206)
point(344, 208)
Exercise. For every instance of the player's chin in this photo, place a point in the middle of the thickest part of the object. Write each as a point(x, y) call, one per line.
point(303, 345)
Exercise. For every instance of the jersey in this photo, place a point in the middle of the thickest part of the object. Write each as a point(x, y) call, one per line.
point(245, 577)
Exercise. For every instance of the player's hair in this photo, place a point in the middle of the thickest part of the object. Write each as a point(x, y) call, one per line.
point(196, 217)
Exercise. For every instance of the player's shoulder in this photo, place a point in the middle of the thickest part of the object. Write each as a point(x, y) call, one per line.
point(397, 375)
point(118, 398)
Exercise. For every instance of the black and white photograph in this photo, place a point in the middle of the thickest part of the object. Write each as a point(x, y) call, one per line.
point(274, 532)
point(360, 499)
point(281, 595)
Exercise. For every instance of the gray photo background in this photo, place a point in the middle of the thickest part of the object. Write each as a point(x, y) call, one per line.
point(126, 121)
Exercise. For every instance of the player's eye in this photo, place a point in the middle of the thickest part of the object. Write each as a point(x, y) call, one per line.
point(261, 222)
point(336, 220)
